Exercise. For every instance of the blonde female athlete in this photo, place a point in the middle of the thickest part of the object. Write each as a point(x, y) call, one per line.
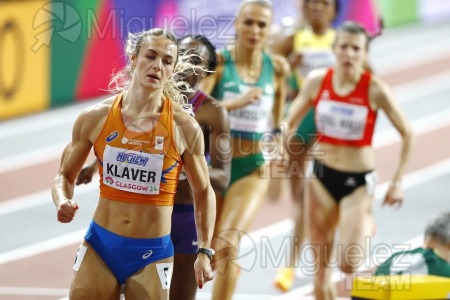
point(141, 138)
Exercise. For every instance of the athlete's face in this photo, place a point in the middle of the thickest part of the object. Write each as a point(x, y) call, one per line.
point(350, 51)
point(196, 54)
point(155, 62)
point(319, 13)
point(253, 25)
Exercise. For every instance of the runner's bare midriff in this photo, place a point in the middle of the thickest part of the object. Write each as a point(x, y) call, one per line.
point(345, 158)
point(133, 220)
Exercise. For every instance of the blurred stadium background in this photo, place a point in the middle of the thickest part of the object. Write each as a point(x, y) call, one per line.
point(57, 56)
point(54, 53)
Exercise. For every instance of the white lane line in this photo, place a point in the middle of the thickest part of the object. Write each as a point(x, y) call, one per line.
point(31, 158)
point(421, 88)
point(40, 198)
point(57, 117)
point(421, 126)
point(42, 247)
point(388, 65)
point(31, 291)
point(417, 177)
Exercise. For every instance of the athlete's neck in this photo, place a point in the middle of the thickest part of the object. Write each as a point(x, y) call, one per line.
point(319, 29)
point(340, 77)
point(248, 58)
point(440, 249)
point(137, 100)
point(344, 84)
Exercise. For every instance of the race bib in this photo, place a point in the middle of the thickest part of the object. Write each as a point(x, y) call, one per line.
point(313, 59)
point(132, 171)
point(254, 117)
point(341, 120)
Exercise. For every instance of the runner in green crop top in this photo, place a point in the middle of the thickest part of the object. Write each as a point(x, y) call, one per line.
point(251, 85)
point(249, 122)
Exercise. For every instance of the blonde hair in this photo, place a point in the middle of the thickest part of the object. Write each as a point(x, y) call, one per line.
point(263, 3)
point(121, 81)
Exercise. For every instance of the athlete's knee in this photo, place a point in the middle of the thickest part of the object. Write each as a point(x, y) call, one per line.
point(82, 292)
point(348, 268)
point(351, 257)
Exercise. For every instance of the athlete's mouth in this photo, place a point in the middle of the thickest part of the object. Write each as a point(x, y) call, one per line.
point(154, 76)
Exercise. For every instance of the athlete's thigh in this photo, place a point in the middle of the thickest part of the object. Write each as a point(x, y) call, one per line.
point(183, 284)
point(151, 282)
point(356, 220)
point(322, 211)
point(243, 200)
point(92, 279)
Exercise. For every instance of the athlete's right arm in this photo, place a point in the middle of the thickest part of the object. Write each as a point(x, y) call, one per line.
point(208, 84)
point(304, 101)
point(85, 131)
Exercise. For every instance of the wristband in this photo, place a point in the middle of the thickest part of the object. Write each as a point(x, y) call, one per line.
point(207, 252)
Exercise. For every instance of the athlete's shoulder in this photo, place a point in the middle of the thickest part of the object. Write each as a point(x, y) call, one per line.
point(98, 110)
point(212, 111)
point(221, 58)
point(280, 64)
point(378, 88)
point(181, 117)
point(317, 75)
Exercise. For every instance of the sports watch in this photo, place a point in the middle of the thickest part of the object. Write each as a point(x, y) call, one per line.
point(208, 252)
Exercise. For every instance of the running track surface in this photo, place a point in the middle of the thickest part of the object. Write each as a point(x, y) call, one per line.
point(36, 252)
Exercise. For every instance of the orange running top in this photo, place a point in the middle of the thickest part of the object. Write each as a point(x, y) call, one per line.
point(138, 167)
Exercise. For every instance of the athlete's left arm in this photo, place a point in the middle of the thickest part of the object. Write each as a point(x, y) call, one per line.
point(219, 147)
point(381, 98)
point(282, 70)
point(192, 152)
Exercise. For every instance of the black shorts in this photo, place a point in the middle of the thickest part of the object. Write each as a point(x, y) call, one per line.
point(340, 184)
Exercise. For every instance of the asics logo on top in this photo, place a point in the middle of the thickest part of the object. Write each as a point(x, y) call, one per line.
point(112, 136)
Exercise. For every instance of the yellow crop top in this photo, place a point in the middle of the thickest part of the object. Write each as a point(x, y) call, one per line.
point(316, 50)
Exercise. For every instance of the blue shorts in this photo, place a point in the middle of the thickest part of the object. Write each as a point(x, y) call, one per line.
point(125, 256)
point(184, 233)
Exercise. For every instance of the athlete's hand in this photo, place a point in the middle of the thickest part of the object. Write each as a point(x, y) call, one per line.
point(295, 59)
point(203, 270)
point(66, 210)
point(394, 196)
point(85, 175)
point(251, 95)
